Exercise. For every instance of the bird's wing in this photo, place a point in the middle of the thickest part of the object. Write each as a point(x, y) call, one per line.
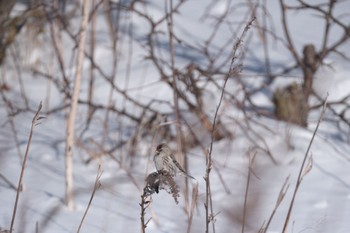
point(176, 163)
point(179, 166)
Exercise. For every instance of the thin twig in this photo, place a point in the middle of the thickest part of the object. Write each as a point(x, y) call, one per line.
point(250, 167)
point(10, 113)
point(144, 205)
point(34, 123)
point(193, 205)
point(7, 181)
point(279, 200)
point(92, 54)
point(302, 170)
point(96, 186)
point(179, 134)
point(289, 39)
point(114, 27)
point(208, 199)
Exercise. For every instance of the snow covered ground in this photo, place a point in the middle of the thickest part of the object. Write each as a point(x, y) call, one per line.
point(322, 203)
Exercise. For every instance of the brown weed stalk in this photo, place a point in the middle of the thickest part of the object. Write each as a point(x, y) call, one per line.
point(35, 120)
point(96, 187)
point(155, 182)
point(304, 169)
point(144, 205)
point(250, 171)
point(234, 69)
point(279, 200)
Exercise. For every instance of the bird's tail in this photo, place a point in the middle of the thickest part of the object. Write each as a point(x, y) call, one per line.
point(187, 175)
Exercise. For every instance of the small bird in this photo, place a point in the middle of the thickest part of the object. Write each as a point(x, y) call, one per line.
point(164, 160)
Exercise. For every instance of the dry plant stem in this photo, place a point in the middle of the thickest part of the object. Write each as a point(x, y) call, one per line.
point(207, 194)
point(96, 186)
point(73, 109)
point(251, 160)
point(34, 122)
point(280, 198)
point(144, 205)
point(179, 135)
point(92, 53)
point(57, 45)
point(173, 75)
point(193, 206)
point(114, 34)
point(232, 70)
point(302, 170)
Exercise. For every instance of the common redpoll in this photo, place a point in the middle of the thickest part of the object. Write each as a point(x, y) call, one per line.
point(165, 161)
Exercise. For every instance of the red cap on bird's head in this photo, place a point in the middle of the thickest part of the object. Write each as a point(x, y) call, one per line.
point(159, 147)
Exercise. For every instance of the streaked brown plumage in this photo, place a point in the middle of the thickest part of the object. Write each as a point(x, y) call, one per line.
point(164, 160)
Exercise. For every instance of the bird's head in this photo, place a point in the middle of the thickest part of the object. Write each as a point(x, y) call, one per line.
point(161, 147)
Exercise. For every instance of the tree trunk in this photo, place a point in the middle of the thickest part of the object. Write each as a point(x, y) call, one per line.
point(309, 68)
point(291, 103)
